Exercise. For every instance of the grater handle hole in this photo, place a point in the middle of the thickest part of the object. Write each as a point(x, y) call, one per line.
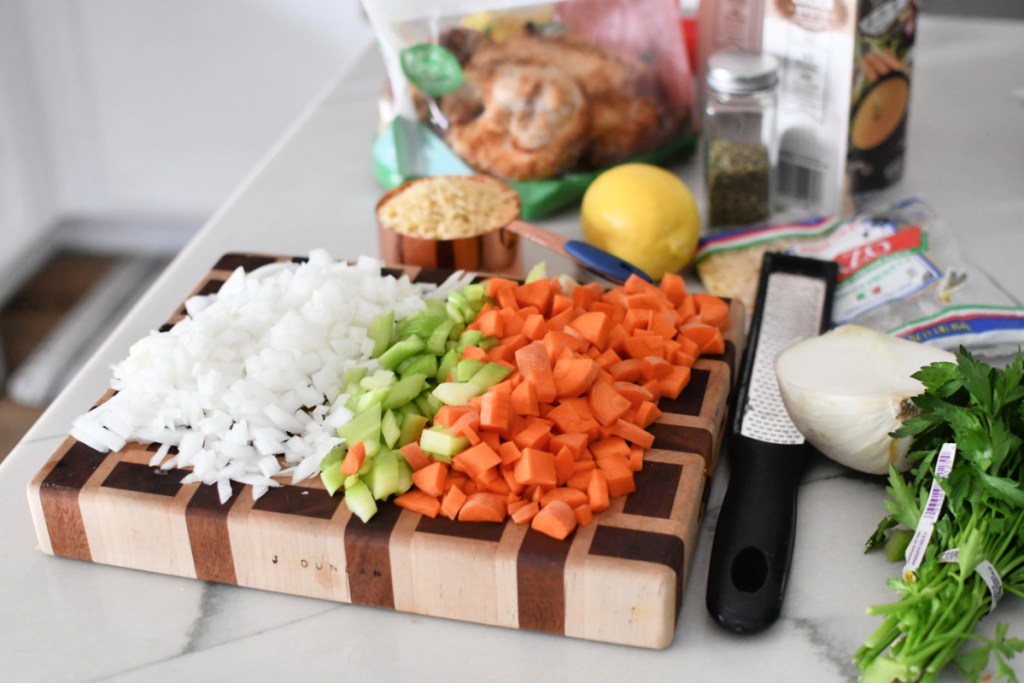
point(749, 570)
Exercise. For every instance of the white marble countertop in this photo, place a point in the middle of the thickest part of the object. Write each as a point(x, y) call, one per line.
point(67, 620)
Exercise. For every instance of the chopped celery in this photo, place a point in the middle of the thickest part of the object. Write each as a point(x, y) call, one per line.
point(456, 393)
point(442, 443)
point(360, 501)
point(390, 428)
point(537, 272)
point(470, 338)
point(454, 313)
point(437, 339)
point(420, 364)
point(404, 474)
point(333, 457)
point(421, 325)
point(412, 427)
point(383, 477)
point(490, 374)
point(353, 376)
point(381, 330)
point(381, 379)
point(408, 346)
point(364, 425)
point(370, 398)
point(447, 365)
point(468, 367)
point(403, 391)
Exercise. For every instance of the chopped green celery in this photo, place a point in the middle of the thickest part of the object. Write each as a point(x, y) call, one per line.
point(459, 301)
point(442, 443)
point(352, 402)
point(423, 405)
point(447, 365)
point(403, 391)
point(468, 367)
point(421, 325)
point(383, 476)
point(370, 398)
point(351, 480)
point(404, 474)
point(437, 339)
point(475, 292)
point(372, 446)
point(489, 375)
point(390, 428)
point(537, 272)
point(420, 364)
point(488, 343)
point(333, 457)
point(412, 427)
point(454, 313)
point(408, 346)
point(457, 331)
point(353, 376)
point(433, 307)
point(360, 501)
point(382, 328)
point(364, 425)
point(381, 379)
point(470, 338)
point(456, 393)
point(434, 403)
point(332, 478)
point(408, 409)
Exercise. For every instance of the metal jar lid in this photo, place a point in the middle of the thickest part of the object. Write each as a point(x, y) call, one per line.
point(738, 72)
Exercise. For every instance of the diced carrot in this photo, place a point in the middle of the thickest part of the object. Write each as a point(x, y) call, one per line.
point(536, 293)
point(558, 322)
point(535, 365)
point(447, 415)
point(635, 284)
point(490, 323)
point(650, 301)
point(559, 303)
point(499, 485)
point(506, 298)
point(636, 458)
point(606, 403)
point(509, 452)
point(597, 491)
point(508, 474)
point(418, 501)
point(484, 506)
point(354, 458)
point(632, 433)
point(536, 467)
point(584, 515)
point(688, 309)
point(708, 338)
point(515, 503)
point(629, 370)
point(480, 462)
point(615, 311)
point(475, 353)
point(452, 502)
point(534, 327)
point(634, 393)
point(556, 519)
point(537, 434)
point(563, 465)
point(501, 352)
point(636, 319)
point(524, 399)
point(673, 384)
point(525, 512)
point(663, 324)
point(656, 367)
point(574, 376)
point(594, 327)
point(468, 421)
point(580, 479)
point(674, 288)
point(430, 479)
point(711, 310)
point(613, 446)
point(641, 346)
point(574, 441)
point(585, 295)
point(414, 455)
point(492, 439)
point(647, 414)
point(495, 284)
point(653, 387)
point(496, 411)
point(571, 497)
point(620, 481)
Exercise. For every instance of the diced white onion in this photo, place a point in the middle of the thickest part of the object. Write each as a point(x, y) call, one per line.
point(251, 377)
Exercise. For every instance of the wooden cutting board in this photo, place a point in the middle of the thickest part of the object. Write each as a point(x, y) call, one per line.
point(618, 580)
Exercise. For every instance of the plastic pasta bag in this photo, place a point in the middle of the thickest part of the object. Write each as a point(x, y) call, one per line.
point(543, 96)
point(901, 272)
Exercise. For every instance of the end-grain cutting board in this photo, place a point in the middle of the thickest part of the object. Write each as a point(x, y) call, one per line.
point(618, 580)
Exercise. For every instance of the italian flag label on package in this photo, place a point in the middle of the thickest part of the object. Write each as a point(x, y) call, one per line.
point(878, 264)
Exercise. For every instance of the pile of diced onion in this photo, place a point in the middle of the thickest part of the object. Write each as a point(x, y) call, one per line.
point(248, 386)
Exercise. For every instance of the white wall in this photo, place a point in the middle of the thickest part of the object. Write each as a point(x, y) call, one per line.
point(156, 108)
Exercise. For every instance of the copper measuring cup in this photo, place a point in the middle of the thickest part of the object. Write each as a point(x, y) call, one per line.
point(492, 248)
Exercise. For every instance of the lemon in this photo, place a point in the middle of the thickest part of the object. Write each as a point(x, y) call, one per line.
point(642, 214)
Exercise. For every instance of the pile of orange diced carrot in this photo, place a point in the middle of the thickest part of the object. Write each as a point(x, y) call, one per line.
point(565, 432)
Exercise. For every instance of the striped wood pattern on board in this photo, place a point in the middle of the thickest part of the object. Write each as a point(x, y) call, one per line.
point(617, 580)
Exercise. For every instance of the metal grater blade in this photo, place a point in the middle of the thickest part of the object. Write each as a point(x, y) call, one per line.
point(793, 308)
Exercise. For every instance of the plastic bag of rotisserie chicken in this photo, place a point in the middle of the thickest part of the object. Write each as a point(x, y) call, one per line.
point(543, 96)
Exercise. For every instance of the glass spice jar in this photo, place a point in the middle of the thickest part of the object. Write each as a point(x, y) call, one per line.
point(739, 130)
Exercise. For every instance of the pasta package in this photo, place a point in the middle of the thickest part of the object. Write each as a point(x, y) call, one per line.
point(543, 96)
point(900, 272)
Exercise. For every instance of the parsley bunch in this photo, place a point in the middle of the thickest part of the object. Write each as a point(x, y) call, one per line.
point(981, 409)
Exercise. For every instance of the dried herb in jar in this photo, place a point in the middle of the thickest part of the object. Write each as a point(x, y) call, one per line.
point(738, 177)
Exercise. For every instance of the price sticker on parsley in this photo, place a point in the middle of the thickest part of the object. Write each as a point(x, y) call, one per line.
point(930, 514)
